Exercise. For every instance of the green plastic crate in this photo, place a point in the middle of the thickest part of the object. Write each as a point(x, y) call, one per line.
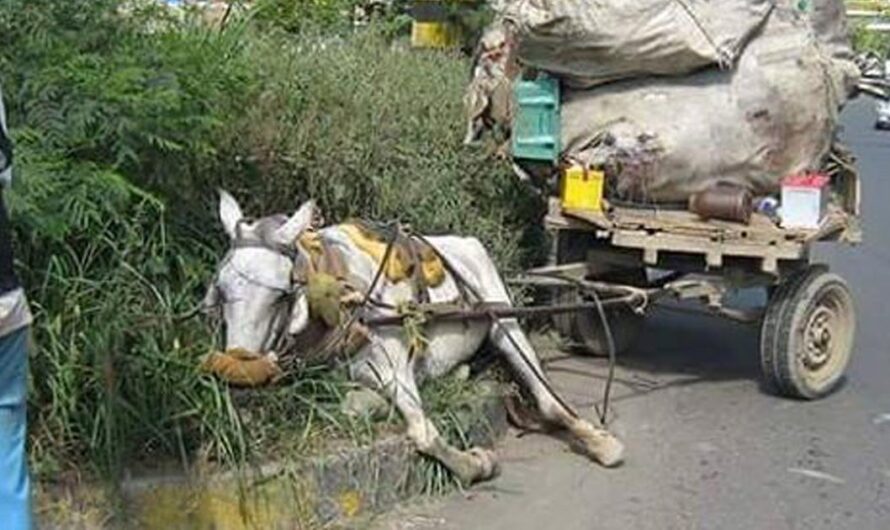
point(536, 128)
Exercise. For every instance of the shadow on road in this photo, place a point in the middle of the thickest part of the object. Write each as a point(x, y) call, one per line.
point(703, 346)
point(675, 350)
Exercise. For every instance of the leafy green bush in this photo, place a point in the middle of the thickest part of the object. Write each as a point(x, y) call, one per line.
point(866, 40)
point(125, 122)
point(367, 129)
point(392, 18)
point(104, 279)
point(299, 15)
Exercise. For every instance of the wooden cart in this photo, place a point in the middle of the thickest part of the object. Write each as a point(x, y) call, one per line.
point(807, 326)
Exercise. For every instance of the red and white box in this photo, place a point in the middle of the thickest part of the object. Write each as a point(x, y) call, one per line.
point(804, 200)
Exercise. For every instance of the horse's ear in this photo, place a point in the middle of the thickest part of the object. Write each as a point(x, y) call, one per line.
point(298, 222)
point(229, 213)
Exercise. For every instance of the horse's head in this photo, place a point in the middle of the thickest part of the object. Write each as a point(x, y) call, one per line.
point(258, 282)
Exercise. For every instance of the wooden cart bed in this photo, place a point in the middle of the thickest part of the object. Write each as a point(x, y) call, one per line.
point(655, 231)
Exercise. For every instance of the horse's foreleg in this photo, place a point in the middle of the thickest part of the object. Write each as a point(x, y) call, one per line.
point(597, 443)
point(509, 338)
point(395, 380)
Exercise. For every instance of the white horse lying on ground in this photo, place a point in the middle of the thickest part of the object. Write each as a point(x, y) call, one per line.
point(263, 299)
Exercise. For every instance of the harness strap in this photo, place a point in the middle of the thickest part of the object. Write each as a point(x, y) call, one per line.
point(327, 337)
point(332, 262)
point(287, 251)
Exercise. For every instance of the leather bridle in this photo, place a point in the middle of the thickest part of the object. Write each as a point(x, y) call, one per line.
point(278, 338)
point(276, 335)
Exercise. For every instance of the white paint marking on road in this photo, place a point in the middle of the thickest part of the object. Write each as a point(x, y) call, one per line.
point(820, 475)
point(881, 418)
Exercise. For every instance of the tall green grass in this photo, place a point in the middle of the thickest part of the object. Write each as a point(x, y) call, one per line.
point(125, 122)
point(868, 40)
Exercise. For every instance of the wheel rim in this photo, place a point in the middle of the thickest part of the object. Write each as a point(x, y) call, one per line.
point(827, 336)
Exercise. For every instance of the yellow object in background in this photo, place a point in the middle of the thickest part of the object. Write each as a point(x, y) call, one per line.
point(582, 189)
point(435, 35)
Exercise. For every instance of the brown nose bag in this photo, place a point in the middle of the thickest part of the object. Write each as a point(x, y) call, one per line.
point(242, 368)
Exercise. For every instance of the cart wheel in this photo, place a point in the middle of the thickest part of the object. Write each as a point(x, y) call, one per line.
point(584, 329)
point(807, 334)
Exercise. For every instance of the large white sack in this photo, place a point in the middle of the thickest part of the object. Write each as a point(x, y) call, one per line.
point(606, 40)
point(664, 139)
point(828, 20)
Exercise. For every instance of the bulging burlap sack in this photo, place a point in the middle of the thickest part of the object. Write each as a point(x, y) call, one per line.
point(597, 41)
point(663, 139)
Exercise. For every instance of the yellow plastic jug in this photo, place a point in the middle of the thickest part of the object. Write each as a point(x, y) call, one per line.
point(582, 189)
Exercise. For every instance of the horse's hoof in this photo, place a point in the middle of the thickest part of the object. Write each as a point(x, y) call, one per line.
point(476, 465)
point(461, 372)
point(609, 451)
point(489, 467)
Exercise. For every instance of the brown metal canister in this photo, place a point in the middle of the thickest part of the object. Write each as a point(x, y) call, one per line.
point(729, 203)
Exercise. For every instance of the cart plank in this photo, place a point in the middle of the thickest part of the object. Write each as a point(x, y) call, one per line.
point(655, 231)
point(761, 229)
point(714, 252)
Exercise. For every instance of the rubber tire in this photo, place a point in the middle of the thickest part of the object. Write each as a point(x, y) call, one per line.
point(781, 337)
point(583, 331)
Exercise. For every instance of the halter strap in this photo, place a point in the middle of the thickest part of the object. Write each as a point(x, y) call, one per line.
point(287, 251)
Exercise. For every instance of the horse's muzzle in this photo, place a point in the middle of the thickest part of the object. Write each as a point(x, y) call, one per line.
point(243, 368)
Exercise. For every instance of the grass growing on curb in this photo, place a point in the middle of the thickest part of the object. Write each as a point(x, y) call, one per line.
point(124, 126)
point(303, 417)
point(456, 408)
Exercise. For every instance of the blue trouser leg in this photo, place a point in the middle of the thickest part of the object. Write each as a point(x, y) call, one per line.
point(15, 494)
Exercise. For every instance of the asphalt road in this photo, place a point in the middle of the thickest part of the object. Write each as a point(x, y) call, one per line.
point(707, 447)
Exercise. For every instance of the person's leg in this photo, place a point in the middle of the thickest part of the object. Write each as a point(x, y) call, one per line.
point(15, 491)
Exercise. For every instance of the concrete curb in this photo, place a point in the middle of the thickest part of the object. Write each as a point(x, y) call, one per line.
point(335, 488)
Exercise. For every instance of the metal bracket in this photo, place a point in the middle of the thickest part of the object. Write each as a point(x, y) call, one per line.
point(712, 292)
